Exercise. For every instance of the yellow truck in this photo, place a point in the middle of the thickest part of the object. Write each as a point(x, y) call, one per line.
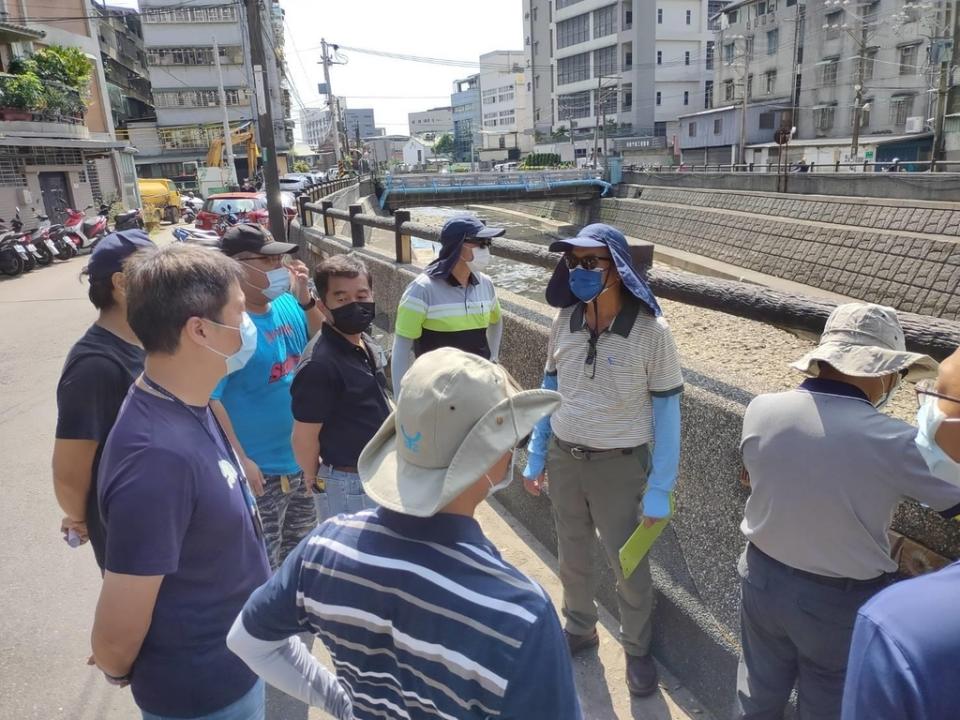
point(161, 200)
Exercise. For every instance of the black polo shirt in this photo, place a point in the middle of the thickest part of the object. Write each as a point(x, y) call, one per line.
point(343, 387)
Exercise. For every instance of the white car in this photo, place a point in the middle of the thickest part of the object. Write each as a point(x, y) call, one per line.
point(295, 183)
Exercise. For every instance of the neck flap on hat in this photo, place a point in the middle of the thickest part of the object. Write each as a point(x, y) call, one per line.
point(559, 294)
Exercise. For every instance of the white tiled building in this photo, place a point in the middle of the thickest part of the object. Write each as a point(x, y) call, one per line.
point(505, 112)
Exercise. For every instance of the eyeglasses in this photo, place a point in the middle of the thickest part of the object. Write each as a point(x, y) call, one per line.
point(588, 262)
point(928, 387)
point(479, 242)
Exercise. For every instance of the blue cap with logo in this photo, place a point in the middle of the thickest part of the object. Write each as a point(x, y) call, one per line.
point(108, 256)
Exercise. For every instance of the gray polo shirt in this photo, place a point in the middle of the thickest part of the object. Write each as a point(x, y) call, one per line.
point(827, 470)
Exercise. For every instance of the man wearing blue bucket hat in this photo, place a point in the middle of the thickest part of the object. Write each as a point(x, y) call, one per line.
point(613, 445)
point(452, 303)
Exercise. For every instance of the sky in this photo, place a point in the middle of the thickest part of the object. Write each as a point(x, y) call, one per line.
point(446, 29)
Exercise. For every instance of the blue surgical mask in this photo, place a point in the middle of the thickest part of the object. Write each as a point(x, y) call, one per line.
point(586, 284)
point(929, 419)
point(278, 281)
point(248, 344)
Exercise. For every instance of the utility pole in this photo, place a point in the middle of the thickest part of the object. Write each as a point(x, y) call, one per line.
point(954, 104)
point(743, 107)
point(271, 176)
point(332, 102)
point(227, 137)
point(858, 98)
point(596, 125)
point(941, 113)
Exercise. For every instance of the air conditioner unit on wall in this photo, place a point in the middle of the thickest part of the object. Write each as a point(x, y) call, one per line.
point(914, 124)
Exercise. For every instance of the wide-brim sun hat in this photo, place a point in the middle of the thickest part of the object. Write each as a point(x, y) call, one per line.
point(456, 415)
point(866, 340)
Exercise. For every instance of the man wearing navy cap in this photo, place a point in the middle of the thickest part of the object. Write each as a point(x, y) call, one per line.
point(613, 445)
point(452, 303)
point(96, 376)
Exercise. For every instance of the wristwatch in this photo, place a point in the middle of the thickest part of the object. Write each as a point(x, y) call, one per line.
point(309, 305)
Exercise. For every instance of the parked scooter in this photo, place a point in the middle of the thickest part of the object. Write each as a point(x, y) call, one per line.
point(207, 238)
point(129, 220)
point(13, 256)
point(189, 207)
point(34, 256)
point(82, 231)
point(44, 242)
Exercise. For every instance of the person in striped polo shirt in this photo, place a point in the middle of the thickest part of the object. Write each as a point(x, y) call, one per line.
point(452, 303)
point(615, 449)
point(421, 615)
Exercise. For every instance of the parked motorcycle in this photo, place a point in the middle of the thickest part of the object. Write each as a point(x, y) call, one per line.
point(129, 220)
point(25, 239)
point(84, 232)
point(13, 256)
point(207, 238)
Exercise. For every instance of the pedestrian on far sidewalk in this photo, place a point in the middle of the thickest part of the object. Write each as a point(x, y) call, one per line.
point(452, 303)
point(184, 542)
point(615, 448)
point(253, 404)
point(826, 470)
point(906, 644)
point(339, 392)
point(421, 615)
point(95, 379)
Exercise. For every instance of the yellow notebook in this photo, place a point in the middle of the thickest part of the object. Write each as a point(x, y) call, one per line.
point(638, 545)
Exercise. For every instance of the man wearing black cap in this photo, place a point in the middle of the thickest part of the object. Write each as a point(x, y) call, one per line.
point(615, 446)
point(96, 376)
point(452, 303)
point(253, 404)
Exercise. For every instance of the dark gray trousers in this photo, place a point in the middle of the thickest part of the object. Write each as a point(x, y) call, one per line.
point(794, 630)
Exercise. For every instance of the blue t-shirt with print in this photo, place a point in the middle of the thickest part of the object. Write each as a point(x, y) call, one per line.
point(175, 503)
point(257, 398)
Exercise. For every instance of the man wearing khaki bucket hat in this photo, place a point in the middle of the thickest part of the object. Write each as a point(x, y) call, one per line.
point(826, 471)
point(419, 611)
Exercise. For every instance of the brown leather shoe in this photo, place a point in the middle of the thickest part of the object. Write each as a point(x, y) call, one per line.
point(641, 675)
point(579, 643)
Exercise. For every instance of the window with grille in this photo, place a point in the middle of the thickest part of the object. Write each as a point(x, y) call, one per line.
point(869, 60)
point(573, 69)
point(823, 117)
point(773, 42)
point(229, 55)
point(573, 105)
point(833, 21)
point(728, 53)
point(606, 100)
point(901, 107)
point(708, 94)
point(573, 31)
point(93, 177)
point(627, 97)
point(828, 72)
point(200, 98)
point(224, 14)
point(12, 172)
point(766, 120)
point(908, 59)
point(711, 49)
point(659, 16)
point(770, 82)
point(605, 21)
point(728, 92)
point(717, 126)
point(605, 61)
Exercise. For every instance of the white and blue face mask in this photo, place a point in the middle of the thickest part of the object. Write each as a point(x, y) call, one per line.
point(248, 344)
point(929, 419)
point(278, 281)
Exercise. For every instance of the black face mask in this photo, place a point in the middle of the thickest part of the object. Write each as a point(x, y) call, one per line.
point(353, 318)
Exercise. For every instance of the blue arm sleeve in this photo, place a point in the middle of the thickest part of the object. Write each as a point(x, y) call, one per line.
point(540, 438)
point(666, 456)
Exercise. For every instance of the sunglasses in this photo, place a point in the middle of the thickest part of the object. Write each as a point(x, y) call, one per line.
point(588, 262)
point(928, 387)
point(479, 242)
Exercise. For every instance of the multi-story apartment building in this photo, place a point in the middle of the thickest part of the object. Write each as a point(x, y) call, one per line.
point(178, 40)
point(435, 121)
point(901, 44)
point(465, 101)
point(507, 123)
point(537, 20)
point(359, 122)
point(639, 63)
point(315, 126)
point(124, 63)
point(55, 148)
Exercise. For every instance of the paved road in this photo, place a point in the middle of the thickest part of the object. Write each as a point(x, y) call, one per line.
point(48, 591)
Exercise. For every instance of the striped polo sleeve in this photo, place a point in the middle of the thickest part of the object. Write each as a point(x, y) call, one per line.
point(412, 311)
point(664, 372)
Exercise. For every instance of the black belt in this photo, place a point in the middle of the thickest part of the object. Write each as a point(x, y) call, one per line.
point(587, 453)
point(835, 582)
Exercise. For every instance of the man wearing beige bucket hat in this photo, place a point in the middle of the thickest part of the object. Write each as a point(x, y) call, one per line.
point(826, 471)
point(421, 614)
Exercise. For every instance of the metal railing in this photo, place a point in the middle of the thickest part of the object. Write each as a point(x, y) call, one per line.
point(933, 336)
point(911, 166)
